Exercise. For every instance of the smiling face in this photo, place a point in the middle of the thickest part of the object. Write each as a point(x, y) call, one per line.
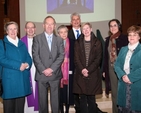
point(133, 38)
point(49, 25)
point(75, 21)
point(30, 29)
point(12, 31)
point(63, 33)
point(114, 28)
point(134, 34)
point(86, 30)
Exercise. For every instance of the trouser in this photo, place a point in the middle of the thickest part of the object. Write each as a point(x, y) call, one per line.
point(76, 103)
point(54, 96)
point(87, 104)
point(15, 105)
point(114, 88)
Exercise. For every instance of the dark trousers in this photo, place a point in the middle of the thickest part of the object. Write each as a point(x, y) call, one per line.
point(15, 105)
point(87, 104)
point(64, 99)
point(76, 103)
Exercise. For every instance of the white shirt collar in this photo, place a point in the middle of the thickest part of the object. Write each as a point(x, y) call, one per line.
point(132, 47)
point(75, 33)
point(15, 42)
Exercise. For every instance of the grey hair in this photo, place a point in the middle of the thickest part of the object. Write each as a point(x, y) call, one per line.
point(75, 14)
point(61, 27)
point(10, 23)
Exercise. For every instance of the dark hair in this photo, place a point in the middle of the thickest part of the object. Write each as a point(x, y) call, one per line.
point(118, 23)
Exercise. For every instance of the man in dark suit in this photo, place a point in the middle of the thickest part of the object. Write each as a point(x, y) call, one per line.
point(74, 34)
point(48, 55)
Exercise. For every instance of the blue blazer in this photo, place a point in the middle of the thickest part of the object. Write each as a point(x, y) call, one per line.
point(134, 76)
point(16, 83)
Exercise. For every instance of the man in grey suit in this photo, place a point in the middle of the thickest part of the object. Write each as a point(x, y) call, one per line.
point(48, 55)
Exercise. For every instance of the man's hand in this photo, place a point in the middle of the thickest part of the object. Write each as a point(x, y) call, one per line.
point(48, 72)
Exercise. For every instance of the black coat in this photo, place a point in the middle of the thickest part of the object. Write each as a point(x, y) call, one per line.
point(93, 84)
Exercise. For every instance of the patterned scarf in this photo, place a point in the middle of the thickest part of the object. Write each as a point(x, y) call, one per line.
point(65, 65)
point(113, 52)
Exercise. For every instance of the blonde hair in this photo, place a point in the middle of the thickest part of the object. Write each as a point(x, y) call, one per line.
point(134, 28)
point(87, 23)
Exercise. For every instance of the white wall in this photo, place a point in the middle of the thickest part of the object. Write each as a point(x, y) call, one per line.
point(101, 25)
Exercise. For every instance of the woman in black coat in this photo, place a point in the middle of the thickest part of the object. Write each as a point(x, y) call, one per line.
point(87, 78)
point(113, 44)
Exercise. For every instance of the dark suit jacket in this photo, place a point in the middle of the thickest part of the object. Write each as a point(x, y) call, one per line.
point(72, 38)
point(44, 59)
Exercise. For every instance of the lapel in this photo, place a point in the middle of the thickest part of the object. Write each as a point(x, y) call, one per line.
point(124, 53)
point(72, 36)
point(138, 48)
point(53, 45)
point(82, 48)
point(44, 41)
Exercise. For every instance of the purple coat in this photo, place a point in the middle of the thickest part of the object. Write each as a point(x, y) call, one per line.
point(31, 100)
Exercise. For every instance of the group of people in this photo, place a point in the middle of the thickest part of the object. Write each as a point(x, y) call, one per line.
point(68, 65)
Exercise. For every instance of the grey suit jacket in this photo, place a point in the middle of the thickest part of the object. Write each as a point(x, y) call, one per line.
point(43, 58)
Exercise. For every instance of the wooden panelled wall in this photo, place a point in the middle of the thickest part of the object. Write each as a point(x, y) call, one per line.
point(131, 13)
point(1, 18)
point(9, 9)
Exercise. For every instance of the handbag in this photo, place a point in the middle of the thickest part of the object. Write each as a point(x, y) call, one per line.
point(1, 70)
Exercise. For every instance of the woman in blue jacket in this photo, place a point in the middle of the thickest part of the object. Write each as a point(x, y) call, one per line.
point(128, 70)
point(16, 62)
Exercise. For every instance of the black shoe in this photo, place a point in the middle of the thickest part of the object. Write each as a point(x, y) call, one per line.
point(99, 111)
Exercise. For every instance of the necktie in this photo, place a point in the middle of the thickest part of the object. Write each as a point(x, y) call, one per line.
point(49, 42)
point(77, 33)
